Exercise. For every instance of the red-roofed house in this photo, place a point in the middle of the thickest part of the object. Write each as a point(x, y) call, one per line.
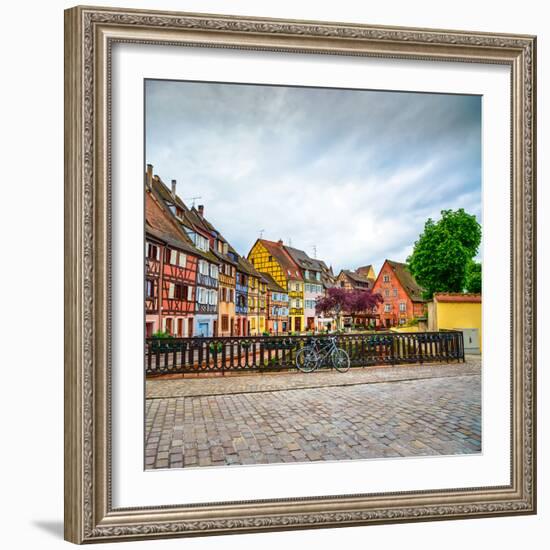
point(402, 295)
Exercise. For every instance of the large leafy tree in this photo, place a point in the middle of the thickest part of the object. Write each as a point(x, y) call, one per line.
point(473, 277)
point(444, 251)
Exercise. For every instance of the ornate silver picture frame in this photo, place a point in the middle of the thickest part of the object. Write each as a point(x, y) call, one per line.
point(90, 34)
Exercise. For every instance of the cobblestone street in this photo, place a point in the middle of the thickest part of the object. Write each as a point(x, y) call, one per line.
point(365, 413)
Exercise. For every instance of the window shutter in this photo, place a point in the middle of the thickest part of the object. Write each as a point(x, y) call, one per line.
point(189, 293)
point(182, 259)
point(173, 257)
point(171, 287)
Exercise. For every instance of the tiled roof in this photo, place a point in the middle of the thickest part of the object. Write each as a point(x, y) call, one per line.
point(408, 282)
point(284, 259)
point(453, 297)
point(357, 277)
point(160, 224)
point(192, 220)
point(246, 266)
point(272, 284)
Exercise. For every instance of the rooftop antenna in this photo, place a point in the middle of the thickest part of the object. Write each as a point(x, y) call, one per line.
point(262, 233)
point(314, 250)
point(191, 199)
point(289, 241)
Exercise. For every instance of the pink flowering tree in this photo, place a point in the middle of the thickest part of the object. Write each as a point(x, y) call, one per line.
point(361, 301)
point(338, 301)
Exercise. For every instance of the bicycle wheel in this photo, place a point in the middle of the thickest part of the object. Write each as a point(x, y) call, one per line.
point(340, 360)
point(307, 359)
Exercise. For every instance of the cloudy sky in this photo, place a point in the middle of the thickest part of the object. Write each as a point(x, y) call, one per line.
point(354, 173)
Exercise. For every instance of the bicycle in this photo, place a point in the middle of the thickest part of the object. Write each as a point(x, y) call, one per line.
point(310, 357)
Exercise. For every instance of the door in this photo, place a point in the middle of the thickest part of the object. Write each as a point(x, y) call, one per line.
point(180, 328)
point(203, 329)
point(190, 328)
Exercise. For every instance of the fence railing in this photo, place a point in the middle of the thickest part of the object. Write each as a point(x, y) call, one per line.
point(275, 353)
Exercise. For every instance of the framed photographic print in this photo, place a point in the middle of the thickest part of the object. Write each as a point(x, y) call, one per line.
point(300, 274)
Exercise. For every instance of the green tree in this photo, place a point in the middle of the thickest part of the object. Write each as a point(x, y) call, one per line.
point(473, 277)
point(444, 251)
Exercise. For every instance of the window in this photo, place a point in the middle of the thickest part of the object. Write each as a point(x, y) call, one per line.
point(214, 271)
point(270, 258)
point(402, 306)
point(152, 251)
point(306, 274)
point(150, 288)
point(225, 322)
point(402, 321)
point(180, 291)
point(203, 267)
point(342, 284)
point(386, 278)
point(387, 308)
point(231, 295)
point(173, 257)
point(395, 292)
point(387, 293)
point(318, 275)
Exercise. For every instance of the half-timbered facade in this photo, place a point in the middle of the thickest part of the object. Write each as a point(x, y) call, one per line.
point(205, 321)
point(311, 271)
point(241, 300)
point(277, 321)
point(256, 298)
point(171, 270)
point(402, 295)
point(362, 278)
point(227, 260)
point(271, 257)
point(154, 249)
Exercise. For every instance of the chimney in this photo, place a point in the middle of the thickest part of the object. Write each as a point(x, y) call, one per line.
point(280, 242)
point(173, 189)
point(149, 177)
point(201, 210)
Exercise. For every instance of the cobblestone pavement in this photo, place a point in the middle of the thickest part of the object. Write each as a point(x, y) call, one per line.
point(430, 416)
point(221, 385)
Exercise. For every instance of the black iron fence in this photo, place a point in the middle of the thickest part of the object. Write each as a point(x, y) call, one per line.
point(275, 353)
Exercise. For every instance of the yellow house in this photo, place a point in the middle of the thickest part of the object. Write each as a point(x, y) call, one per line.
point(272, 258)
point(458, 311)
point(256, 298)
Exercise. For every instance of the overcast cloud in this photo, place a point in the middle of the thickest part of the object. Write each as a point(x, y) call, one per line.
point(355, 173)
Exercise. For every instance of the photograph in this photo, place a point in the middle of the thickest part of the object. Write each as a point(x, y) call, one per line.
point(312, 274)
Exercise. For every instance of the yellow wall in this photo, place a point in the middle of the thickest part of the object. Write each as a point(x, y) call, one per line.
point(459, 315)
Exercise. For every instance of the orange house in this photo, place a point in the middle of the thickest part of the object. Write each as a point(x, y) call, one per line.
point(402, 295)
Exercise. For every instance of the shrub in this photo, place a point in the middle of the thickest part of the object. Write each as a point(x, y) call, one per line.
point(162, 334)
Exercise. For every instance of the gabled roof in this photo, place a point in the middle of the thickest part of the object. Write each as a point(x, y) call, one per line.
point(159, 223)
point(289, 266)
point(356, 277)
point(454, 297)
point(408, 282)
point(272, 284)
point(191, 219)
point(246, 267)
